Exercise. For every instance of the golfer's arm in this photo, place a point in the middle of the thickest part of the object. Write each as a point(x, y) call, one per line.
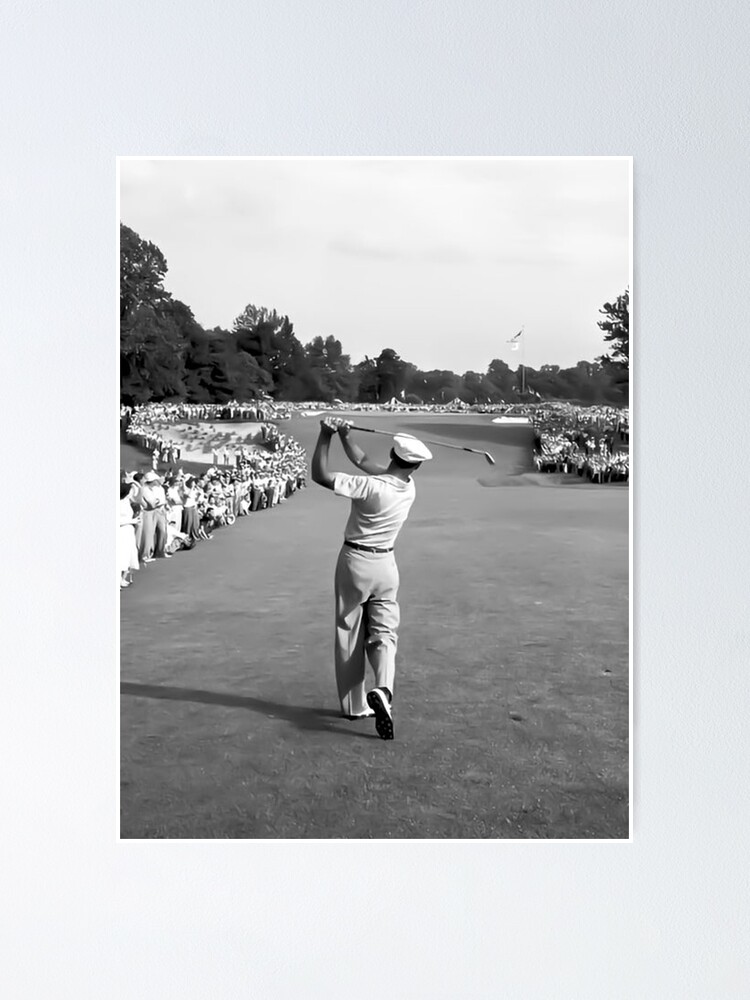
point(320, 473)
point(359, 458)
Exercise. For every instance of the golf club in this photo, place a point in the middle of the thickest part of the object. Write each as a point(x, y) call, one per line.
point(440, 444)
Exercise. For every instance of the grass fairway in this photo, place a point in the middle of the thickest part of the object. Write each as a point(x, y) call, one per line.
point(512, 680)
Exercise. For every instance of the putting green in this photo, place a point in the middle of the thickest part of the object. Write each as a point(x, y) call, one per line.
point(512, 685)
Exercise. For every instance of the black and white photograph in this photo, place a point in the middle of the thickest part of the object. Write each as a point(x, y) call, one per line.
point(373, 540)
point(404, 685)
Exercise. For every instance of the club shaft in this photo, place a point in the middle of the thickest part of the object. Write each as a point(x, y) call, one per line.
point(439, 444)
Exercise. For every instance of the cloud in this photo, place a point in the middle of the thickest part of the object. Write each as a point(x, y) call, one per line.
point(366, 250)
point(353, 247)
point(479, 246)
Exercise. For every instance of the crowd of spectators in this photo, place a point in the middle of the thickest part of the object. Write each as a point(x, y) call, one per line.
point(149, 427)
point(232, 410)
point(268, 409)
point(161, 514)
point(592, 441)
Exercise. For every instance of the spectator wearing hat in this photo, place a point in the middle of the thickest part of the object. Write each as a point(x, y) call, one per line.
point(154, 503)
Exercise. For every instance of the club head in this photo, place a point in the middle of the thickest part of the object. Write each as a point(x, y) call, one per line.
point(490, 459)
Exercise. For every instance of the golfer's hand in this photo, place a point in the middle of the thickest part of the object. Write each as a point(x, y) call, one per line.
point(328, 426)
point(344, 427)
point(334, 424)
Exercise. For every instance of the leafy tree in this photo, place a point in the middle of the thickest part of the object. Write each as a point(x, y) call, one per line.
point(153, 326)
point(440, 386)
point(153, 345)
point(222, 371)
point(331, 369)
point(578, 382)
point(250, 381)
point(270, 340)
point(616, 328)
point(151, 356)
point(291, 373)
point(501, 379)
point(198, 367)
point(477, 388)
point(392, 374)
point(252, 317)
point(256, 330)
point(142, 271)
point(166, 354)
point(367, 381)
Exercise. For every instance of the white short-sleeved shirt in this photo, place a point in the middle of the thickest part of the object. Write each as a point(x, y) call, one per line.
point(380, 505)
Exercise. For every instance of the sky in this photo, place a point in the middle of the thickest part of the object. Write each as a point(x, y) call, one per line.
point(443, 260)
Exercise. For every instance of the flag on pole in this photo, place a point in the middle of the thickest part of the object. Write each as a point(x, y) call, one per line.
point(515, 341)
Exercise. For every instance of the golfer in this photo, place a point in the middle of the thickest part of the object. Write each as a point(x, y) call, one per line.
point(366, 582)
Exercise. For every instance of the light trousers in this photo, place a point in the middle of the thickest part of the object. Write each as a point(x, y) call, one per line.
point(148, 531)
point(154, 536)
point(367, 620)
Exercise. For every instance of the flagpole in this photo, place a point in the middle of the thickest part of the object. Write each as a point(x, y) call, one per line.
point(515, 342)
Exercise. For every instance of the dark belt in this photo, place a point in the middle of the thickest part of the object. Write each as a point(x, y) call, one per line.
point(366, 548)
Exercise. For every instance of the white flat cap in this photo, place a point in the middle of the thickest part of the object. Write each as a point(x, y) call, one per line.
point(411, 449)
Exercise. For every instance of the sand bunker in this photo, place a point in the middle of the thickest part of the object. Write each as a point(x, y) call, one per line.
point(198, 440)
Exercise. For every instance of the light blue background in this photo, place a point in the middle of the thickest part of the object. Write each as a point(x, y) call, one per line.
point(663, 917)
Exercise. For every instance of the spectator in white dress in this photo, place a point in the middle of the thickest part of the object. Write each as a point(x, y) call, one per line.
point(127, 554)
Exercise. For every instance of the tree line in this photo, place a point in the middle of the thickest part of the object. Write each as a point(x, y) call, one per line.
point(165, 354)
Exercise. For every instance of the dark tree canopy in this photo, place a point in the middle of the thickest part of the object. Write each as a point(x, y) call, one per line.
point(331, 369)
point(142, 270)
point(391, 375)
point(152, 325)
point(616, 329)
point(165, 354)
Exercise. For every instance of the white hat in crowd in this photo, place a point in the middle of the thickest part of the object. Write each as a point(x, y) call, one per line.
point(151, 477)
point(411, 449)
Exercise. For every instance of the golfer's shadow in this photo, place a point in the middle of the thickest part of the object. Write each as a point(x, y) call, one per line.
point(301, 716)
